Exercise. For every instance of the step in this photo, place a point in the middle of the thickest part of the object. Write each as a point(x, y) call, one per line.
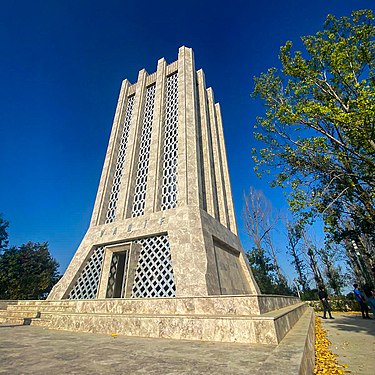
point(17, 321)
point(266, 329)
point(21, 314)
point(41, 322)
point(223, 305)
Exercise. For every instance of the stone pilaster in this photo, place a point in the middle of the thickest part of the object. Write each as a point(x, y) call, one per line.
point(101, 201)
point(217, 160)
point(188, 157)
point(208, 165)
point(232, 225)
point(155, 167)
point(125, 199)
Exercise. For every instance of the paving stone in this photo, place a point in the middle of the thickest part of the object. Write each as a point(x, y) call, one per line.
point(353, 340)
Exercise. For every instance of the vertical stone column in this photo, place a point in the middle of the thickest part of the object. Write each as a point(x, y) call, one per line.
point(104, 189)
point(188, 172)
point(232, 225)
point(217, 160)
point(208, 164)
point(125, 199)
point(155, 166)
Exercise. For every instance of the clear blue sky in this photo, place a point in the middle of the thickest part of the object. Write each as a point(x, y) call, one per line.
point(61, 66)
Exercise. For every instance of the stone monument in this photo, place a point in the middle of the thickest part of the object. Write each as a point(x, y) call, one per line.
point(161, 257)
point(163, 223)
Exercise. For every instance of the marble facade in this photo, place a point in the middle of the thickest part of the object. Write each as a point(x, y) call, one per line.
point(165, 189)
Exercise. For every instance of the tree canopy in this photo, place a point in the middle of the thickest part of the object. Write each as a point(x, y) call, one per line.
point(318, 130)
point(27, 271)
point(3, 233)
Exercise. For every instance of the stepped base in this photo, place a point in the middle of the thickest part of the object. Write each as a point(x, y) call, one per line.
point(242, 319)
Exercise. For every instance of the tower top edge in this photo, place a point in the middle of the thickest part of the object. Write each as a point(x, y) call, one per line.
point(170, 68)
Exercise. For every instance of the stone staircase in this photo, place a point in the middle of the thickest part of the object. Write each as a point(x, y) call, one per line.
point(245, 319)
point(3, 309)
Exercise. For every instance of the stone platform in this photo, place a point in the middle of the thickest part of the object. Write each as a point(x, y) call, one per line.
point(37, 350)
point(260, 319)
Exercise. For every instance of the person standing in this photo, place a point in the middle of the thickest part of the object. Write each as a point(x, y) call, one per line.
point(369, 296)
point(323, 296)
point(358, 296)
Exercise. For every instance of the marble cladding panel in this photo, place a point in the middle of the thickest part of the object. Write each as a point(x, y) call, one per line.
point(214, 305)
point(270, 303)
point(231, 277)
point(184, 226)
point(5, 303)
point(180, 328)
point(308, 358)
point(284, 323)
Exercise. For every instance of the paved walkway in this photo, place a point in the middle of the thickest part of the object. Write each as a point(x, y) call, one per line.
point(39, 351)
point(353, 340)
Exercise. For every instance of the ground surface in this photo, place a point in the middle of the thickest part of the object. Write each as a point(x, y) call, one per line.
point(353, 340)
point(34, 350)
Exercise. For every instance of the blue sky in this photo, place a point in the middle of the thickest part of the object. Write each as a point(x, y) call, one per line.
point(61, 66)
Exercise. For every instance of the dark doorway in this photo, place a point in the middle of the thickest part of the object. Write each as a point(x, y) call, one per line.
point(117, 275)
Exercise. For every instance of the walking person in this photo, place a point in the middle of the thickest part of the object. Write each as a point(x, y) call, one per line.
point(323, 296)
point(358, 296)
point(370, 299)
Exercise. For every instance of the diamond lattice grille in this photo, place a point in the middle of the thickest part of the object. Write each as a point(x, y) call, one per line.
point(86, 285)
point(116, 182)
point(169, 187)
point(153, 277)
point(144, 154)
point(154, 274)
point(112, 275)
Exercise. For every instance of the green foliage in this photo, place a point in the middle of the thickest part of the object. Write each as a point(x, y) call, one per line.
point(3, 233)
point(337, 304)
point(27, 272)
point(295, 231)
point(332, 272)
point(318, 129)
point(265, 273)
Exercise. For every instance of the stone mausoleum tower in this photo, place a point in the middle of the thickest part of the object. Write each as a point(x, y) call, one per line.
point(163, 223)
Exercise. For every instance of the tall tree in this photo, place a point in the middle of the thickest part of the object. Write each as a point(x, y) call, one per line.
point(27, 271)
point(263, 270)
point(260, 220)
point(310, 251)
point(328, 255)
point(294, 233)
point(319, 125)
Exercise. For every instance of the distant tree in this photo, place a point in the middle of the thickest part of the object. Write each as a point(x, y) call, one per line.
point(265, 274)
point(262, 269)
point(3, 233)
point(310, 251)
point(318, 130)
point(27, 271)
point(260, 220)
point(295, 231)
point(333, 273)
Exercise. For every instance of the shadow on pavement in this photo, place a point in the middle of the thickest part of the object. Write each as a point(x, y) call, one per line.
point(11, 325)
point(351, 323)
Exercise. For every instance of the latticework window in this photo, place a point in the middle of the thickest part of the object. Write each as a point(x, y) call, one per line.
point(170, 147)
point(153, 277)
point(154, 274)
point(112, 275)
point(116, 182)
point(144, 154)
point(86, 285)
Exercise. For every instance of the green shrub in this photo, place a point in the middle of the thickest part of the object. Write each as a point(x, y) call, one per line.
point(337, 304)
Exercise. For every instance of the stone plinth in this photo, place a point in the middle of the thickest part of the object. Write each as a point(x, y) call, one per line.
point(245, 319)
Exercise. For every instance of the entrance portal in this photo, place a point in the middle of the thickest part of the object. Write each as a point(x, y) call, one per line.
point(119, 266)
point(117, 275)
